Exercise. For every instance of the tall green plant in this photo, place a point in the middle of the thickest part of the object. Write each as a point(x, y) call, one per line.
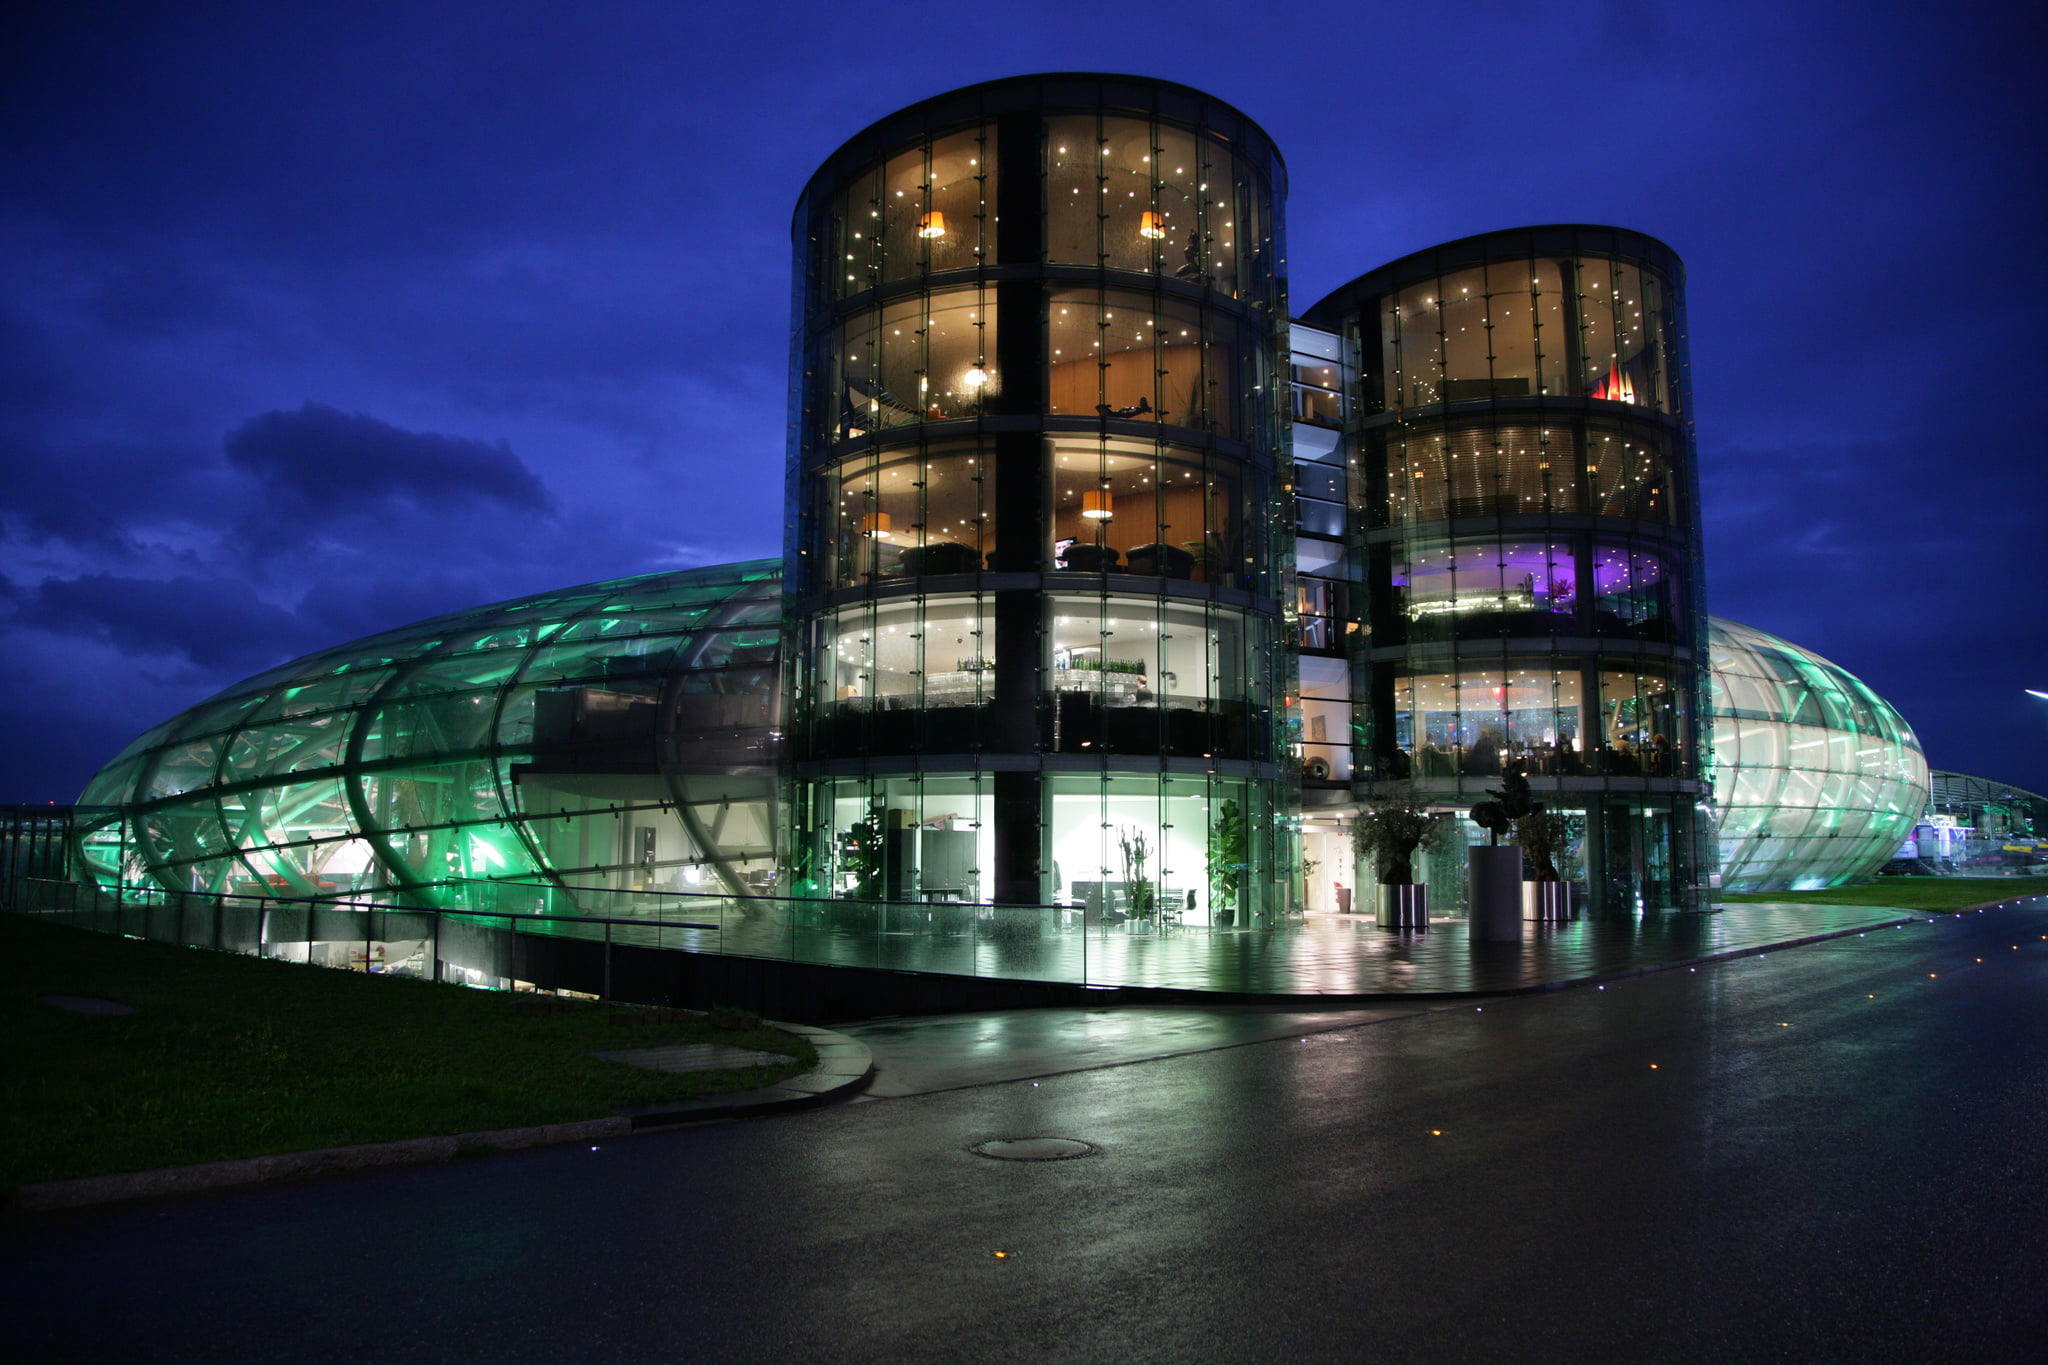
point(1229, 861)
point(863, 855)
point(1137, 852)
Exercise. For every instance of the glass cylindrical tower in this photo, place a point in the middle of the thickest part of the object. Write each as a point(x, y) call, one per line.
point(1524, 498)
point(1037, 544)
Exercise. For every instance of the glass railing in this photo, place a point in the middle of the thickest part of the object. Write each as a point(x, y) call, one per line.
point(388, 932)
point(1024, 942)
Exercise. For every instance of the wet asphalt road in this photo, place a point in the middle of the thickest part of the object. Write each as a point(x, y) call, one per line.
point(1825, 1153)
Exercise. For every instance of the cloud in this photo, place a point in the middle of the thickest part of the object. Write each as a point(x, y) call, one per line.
point(322, 465)
point(213, 624)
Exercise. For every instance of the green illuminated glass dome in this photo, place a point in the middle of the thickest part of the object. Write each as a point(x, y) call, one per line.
point(615, 735)
point(623, 736)
point(1817, 779)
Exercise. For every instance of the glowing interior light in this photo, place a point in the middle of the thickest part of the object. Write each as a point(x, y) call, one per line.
point(1098, 505)
point(932, 224)
point(1151, 225)
point(975, 377)
point(1616, 387)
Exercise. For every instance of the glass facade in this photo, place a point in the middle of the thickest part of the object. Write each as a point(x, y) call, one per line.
point(923, 211)
point(1520, 473)
point(1038, 541)
point(1120, 847)
point(623, 740)
point(1552, 322)
point(611, 735)
point(1104, 587)
point(1817, 780)
point(1324, 377)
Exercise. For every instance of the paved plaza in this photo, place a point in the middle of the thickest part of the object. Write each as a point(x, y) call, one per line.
point(1831, 1152)
point(1324, 955)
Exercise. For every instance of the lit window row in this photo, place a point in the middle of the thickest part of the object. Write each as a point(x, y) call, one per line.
point(1512, 469)
point(1120, 193)
point(1111, 354)
point(1119, 505)
point(1582, 327)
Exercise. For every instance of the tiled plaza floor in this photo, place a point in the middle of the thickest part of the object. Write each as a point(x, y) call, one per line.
point(1335, 955)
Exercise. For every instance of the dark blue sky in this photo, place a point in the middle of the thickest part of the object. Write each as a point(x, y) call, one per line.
point(321, 318)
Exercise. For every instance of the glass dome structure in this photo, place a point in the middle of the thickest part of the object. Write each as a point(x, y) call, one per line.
point(624, 736)
point(1817, 779)
point(616, 735)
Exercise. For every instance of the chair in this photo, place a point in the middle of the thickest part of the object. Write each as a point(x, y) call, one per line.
point(1091, 558)
point(1161, 561)
point(945, 556)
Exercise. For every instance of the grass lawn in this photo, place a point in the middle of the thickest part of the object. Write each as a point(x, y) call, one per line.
point(1914, 893)
point(230, 1056)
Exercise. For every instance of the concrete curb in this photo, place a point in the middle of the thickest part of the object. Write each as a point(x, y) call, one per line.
point(844, 1067)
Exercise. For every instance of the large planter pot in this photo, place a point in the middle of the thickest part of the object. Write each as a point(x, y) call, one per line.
point(1547, 902)
point(1404, 907)
point(1496, 881)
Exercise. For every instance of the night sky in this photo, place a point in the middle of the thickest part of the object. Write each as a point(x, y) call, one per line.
point(322, 318)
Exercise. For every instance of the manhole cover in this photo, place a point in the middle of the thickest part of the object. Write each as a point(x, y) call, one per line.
point(1033, 1149)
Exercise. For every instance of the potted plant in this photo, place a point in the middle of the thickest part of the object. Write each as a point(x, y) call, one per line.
point(1142, 898)
point(861, 856)
point(1496, 870)
point(1393, 826)
point(1544, 835)
point(1229, 861)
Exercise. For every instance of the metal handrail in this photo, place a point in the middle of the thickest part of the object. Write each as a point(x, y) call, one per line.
point(367, 907)
point(549, 885)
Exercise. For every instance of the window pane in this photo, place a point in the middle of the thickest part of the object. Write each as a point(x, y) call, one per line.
point(1467, 588)
point(1137, 675)
point(1469, 723)
point(909, 513)
point(924, 209)
point(1130, 194)
point(1630, 476)
point(1505, 469)
point(915, 360)
point(1643, 726)
point(1632, 592)
point(1124, 505)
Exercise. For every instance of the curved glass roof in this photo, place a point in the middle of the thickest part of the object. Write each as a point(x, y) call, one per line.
point(620, 736)
point(1817, 779)
point(615, 734)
